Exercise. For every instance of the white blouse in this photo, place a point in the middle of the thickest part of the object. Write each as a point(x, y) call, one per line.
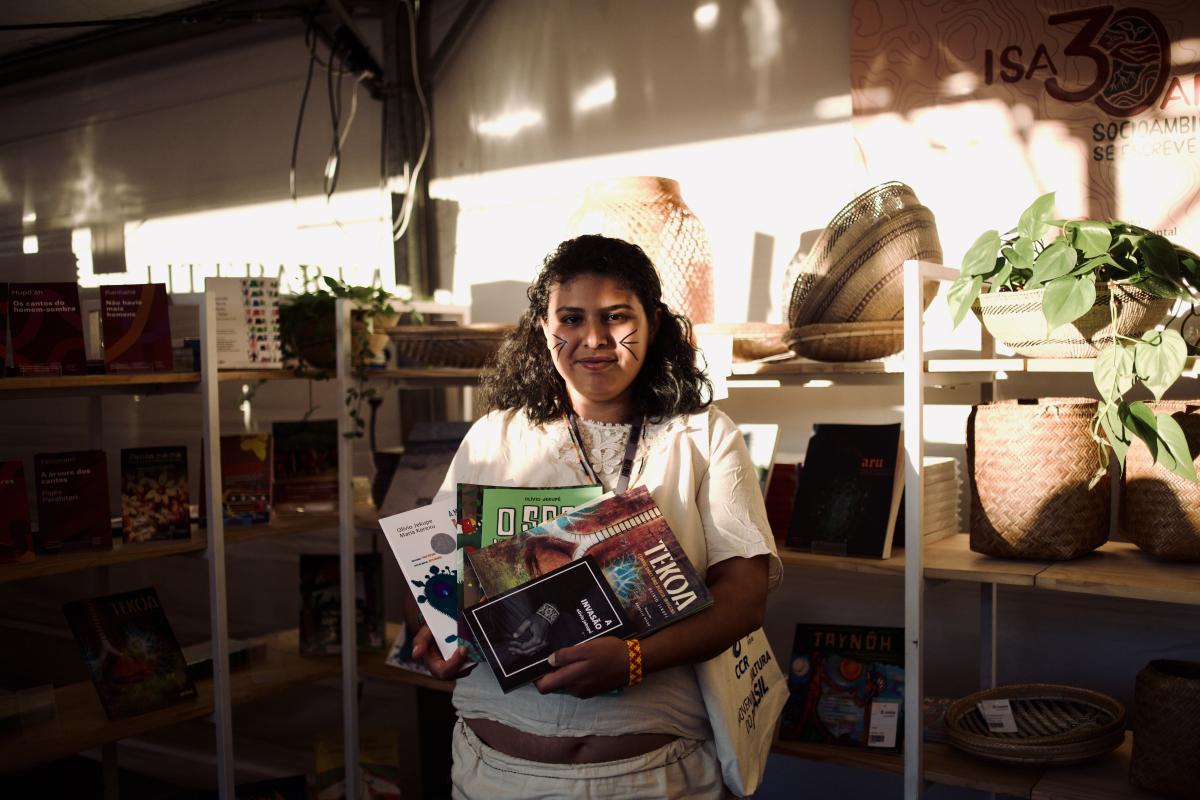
point(699, 473)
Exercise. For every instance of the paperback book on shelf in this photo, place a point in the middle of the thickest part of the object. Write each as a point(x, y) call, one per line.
point(246, 479)
point(848, 495)
point(306, 474)
point(519, 629)
point(72, 501)
point(629, 539)
point(247, 322)
point(47, 329)
point(3, 329)
point(135, 328)
point(154, 493)
point(15, 532)
point(846, 686)
point(424, 543)
point(130, 652)
point(321, 603)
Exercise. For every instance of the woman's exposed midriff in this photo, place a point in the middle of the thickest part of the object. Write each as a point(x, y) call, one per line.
point(565, 749)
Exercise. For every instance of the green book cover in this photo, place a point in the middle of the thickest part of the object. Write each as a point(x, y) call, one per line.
point(509, 511)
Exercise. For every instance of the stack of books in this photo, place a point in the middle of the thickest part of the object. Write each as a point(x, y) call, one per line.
point(943, 498)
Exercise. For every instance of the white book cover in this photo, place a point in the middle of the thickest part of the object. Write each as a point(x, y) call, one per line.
point(247, 322)
point(424, 542)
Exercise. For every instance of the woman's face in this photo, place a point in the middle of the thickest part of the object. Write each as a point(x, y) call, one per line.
point(598, 334)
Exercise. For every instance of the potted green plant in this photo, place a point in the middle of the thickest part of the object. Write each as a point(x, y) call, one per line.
point(1090, 268)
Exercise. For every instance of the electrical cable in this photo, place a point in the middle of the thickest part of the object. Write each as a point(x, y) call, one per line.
point(333, 163)
point(405, 217)
point(312, 44)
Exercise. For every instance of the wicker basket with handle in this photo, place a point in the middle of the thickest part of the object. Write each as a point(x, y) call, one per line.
point(447, 345)
point(1160, 511)
point(1029, 463)
point(1166, 728)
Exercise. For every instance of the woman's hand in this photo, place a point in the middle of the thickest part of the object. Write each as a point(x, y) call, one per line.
point(588, 669)
point(425, 649)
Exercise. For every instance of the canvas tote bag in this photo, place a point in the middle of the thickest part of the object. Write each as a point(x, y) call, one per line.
point(744, 693)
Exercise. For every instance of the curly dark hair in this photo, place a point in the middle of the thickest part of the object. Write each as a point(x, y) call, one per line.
point(669, 382)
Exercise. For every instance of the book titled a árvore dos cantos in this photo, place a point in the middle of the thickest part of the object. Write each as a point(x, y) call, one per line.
point(47, 329)
point(848, 495)
point(72, 501)
point(136, 328)
point(130, 652)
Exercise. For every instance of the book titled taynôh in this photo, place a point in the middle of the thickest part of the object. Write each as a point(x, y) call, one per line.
point(519, 629)
point(424, 543)
point(848, 496)
point(47, 329)
point(130, 652)
point(846, 686)
point(72, 501)
point(154, 493)
point(305, 478)
point(630, 540)
point(135, 328)
point(15, 536)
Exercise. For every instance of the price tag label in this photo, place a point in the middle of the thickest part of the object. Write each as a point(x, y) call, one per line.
point(885, 719)
point(998, 716)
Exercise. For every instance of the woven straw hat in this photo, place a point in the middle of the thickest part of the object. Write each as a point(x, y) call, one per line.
point(854, 272)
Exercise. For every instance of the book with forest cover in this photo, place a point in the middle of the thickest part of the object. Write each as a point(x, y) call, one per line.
point(15, 533)
point(518, 630)
point(321, 603)
point(846, 686)
point(305, 466)
point(130, 652)
point(848, 495)
point(72, 501)
point(630, 540)
point(154, 493)
point(135, 328)
point(47, 329)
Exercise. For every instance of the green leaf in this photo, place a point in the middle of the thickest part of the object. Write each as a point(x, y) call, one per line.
point(1055, 261)
point(1092, 237)
point(1159, 359)
point(981, 256)
point(1033, 222)
point(1001, 278)
point(1113, 372)
point(1175, 441)
point(1067, 299)
point(1021, 253)
point(1140, 421)
point(1159, 257)
point(1118, 437)
point(961, 295)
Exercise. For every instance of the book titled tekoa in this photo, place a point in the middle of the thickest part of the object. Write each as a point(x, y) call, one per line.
point(424, 543)
point(47, 329)
point(14, 513)
point(846, 686)
point(72, 501)
point(154, 493)
point(136, 328)
point(630, 540)
point(130, 652)
point(517, 630)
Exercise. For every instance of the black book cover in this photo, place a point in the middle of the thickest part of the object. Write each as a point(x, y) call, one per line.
point(848, 495)
point(321, 603)
point(130, 652)
point(519, 629)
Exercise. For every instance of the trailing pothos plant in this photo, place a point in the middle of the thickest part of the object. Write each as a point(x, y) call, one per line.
point(1068, 269)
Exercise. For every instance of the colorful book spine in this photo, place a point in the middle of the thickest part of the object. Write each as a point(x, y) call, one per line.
point(135, 328)
point(72, 501)
point(47, 329)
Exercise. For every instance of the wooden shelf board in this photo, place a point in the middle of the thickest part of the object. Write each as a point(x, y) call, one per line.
point(251, 375)
point(1120, 569)
point(122, 553)
point(278, 667)
point(372, 665)
point(133, 383)
point(292, 524)
point(429, 375)
point(951, 559)
point(1106, 779)
point(816, 562)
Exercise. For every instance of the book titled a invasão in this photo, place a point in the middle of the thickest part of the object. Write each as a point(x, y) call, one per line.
point(628, 537)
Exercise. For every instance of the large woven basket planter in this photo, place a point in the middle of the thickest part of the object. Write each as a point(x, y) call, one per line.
point(1017, 320)
point(447, 345)
point(1166, 729)
point(1056, 725)
point(1029, 463)
point(1160, 511)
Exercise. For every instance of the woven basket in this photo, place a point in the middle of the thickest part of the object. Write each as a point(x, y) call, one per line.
point(1160, 511)
point(1017, 320)
point(1029, 463)
point(650, 212)
point(751, 340)
point(847, 341)
point(1056, 725)
point(854, 271)
point(447, 345)
point(1166, 729)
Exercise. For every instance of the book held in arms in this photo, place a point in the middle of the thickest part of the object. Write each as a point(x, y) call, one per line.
point(424, 543)
point(47, 329)
point(848, 495)
point(629, 539)
point(135, 328)
point(15, 532)
point(130, 652)
point(321, 603)
point(519, 629)
point(247, 322)
point(846, 686)
point(154, 493)
point(246, 479)
point(72, 501)
point(305, 477)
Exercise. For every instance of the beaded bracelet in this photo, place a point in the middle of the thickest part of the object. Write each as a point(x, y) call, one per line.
point(635, 661)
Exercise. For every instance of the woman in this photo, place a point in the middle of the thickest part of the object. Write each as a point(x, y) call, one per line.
point(598, 361)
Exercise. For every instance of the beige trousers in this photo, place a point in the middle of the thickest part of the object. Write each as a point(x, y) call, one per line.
point(685, 769)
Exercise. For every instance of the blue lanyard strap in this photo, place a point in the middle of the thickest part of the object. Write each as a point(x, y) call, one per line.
point(635, 434)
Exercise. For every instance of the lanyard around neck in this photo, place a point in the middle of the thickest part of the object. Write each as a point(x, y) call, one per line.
point(635, 434)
